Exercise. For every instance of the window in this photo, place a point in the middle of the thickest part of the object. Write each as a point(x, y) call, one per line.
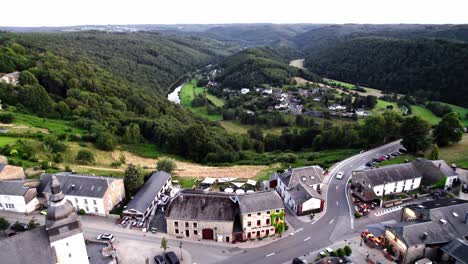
point(259, 213)
point(277, 211)
point(249, 223)
point(94, 201)
point(95, 209)
point(394, 189)
point(268, 212)
point(249, 215)
point(86, 201)
point(195, 225)
point(1, 205)
point(177, 231)
point(176, 224)
point(268, 221)
point(187, 233)
point(186, 224)
point(412, 181)
point(76, 200)
point(259, 222)
point(195, 232)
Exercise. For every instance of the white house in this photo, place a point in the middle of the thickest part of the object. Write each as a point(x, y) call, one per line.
point(10, 78)
point(300, 189)
point(245, 90)
point(94, 194)
point(16, 196)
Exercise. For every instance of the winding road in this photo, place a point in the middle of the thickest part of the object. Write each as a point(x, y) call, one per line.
point(336, 223)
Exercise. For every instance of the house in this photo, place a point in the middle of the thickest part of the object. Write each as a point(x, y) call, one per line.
point(300, 189)
point(59, 241)
point(16, 196)
point(337, 107)
point(435, 170)
point(204, 215)
point(9, 172)
point(144, 203)
point(427, 228)
point(455, 252)
point(245, 90)
point(94, 194)
point(257, 210)
point(10, 78)
point(392, 178)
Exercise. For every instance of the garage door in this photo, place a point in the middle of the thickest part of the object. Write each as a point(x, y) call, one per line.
point(207, 234)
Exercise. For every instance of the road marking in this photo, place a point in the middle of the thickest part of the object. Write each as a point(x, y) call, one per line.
point(336, 203)
point(271, 254)
point(332, 221)
point(337, 187)
point(306, 239)
point(299, 230)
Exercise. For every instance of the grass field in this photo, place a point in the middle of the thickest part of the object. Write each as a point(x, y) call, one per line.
point(7, 140)
point(382, 106)
point(237, 128)
point(461, 111)
point(52, 125)
point(397, 160)
point(188, 93)
point(143, 150)
point(456, 153)
point(425, 114)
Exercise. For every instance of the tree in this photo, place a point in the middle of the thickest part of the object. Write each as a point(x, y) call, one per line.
point(85, 156)
point(449, 130)
point(27, 78)
point(106, 141)
point(348, 251)
point(32, 224)
point(4, 224)
point(373, 129)
point(132, 134)
point(133, 179)
point(340, 252)
point(164, 244)
point(434, 155)
point(415, 133)
point(167, 165)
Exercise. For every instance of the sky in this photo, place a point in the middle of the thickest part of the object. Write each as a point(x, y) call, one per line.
point(102, 12)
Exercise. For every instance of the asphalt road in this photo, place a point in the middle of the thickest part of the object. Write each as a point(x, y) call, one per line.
point(335, 224)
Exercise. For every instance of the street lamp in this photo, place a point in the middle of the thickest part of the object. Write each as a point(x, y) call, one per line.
point(180, 246)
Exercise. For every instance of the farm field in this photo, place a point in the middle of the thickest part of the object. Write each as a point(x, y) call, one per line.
point(425, 114)
point(189, 91)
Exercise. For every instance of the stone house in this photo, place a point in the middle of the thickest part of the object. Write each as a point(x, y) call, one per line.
point(9, 172)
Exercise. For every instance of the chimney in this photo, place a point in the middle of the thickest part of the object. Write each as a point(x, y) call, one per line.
point(73, 186)
point(440, 165)
point(424, 236)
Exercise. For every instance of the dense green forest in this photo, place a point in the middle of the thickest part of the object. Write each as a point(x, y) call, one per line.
point(428, 69)
point(258, 66)
point(146, 59)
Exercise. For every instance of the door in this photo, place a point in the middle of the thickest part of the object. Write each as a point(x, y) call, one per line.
point(187, 233)
point(208, 233)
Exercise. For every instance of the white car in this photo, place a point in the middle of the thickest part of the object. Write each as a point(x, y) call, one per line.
point(106, 237)
point(329, 250)
point(339, 175)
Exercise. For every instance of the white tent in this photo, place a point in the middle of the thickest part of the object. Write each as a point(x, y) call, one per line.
point(250, 191)
point(238, 184)
point(208, 180)
point(252, 182)
point(240, 191)
point(229, 190)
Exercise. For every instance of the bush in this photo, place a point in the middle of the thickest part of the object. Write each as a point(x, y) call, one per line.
point(166, 165)
point(348, 251)
point(287, 158)
point(357, 214)
point(106, 141)
point(85, 156)
point(340, 252)
point(7, 118)
point(81, 212)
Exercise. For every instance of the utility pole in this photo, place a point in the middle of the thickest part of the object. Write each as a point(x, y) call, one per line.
point(180, 246)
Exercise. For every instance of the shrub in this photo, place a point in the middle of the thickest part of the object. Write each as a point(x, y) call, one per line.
point(81, 212)
point(357, 214)
point(85, 156)
point(166, 165)
point(340, 252)
point(334, 253)
point(7, 118)
point(348, 251)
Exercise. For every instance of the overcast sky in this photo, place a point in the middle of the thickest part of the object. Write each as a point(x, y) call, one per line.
point(81, 12)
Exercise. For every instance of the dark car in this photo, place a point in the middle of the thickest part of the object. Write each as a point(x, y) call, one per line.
point(465, 188)
point(297, 261)
point(402, 150)
point(369, 164)
point(20, 227)
point(171, 258)
point(159, 259)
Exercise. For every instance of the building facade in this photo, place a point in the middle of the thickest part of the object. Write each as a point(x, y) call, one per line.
point(16, 197)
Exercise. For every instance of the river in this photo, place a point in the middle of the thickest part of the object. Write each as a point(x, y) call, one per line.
point(174, 96)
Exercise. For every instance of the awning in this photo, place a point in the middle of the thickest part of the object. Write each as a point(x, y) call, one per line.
point(252, 182)
point(208, 180)
point(240, 191)
point(238, 184)
point(228, 190)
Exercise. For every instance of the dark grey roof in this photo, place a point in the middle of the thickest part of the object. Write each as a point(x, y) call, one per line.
point(142, 200)
point(457, 249)
point(199, 205)
point(77, 184)
point(260, 201)
point(302, 193)
point(310, 175)
point(390, 173)
point(28, 247)
point(13, 188)
point(451, 210)
point(433, 170)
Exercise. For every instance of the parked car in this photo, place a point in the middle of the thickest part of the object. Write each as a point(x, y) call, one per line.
point(159, 259)
point(329, 250)
point(106, 237)
point(298, 261)
point(339, 175)
point(164, 200)
point(43, 212)
point(19, 227)
point(403, 150)
point(369, 164)
point(134, 223)
point(154, 230)
point(323, 254)
point(140, 224)
point(465, 188)
point(124, 222)
point(171, 258)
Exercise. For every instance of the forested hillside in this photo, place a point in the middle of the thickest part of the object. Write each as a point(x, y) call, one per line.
point(257, 66)
point(430, 69)
point(146, 59)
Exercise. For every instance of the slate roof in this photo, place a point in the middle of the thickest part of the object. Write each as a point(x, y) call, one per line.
point(451, 210)
point(199, 205)
point(28, 247)
point(310, 175)
point(142, 200)
point(260, 201)
point(78, 185)
point(390, 173)
point(17, 188)
point(457, 249)
point(433, 170)
point(302, 193)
